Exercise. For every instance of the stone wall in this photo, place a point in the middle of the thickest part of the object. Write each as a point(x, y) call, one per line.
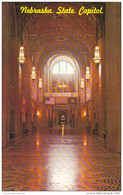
point(113, 74)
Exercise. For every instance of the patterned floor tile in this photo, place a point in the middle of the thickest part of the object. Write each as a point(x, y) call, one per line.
point(51, 161)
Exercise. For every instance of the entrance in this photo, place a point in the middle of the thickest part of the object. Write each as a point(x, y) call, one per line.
point(62, 113)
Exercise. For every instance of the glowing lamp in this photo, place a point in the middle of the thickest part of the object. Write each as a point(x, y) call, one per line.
point(38, 113)
point(82, 83)
point(84, 114)
point(60, 86)
point(21, 58)
point(87, 76)
point(85, 143)
point(40, 83)
point(33, 75)
point(97, 58)
point(37, 141)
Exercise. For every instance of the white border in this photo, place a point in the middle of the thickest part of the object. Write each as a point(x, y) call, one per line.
point(50, 192)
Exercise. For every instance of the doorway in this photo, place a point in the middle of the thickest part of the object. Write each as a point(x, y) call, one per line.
point(60, 114)
point(12, 125)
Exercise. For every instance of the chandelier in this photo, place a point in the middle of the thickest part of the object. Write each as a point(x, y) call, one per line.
point(97, 58)
point(21, 58)
point(87, 76)
point(33, 75)
point(82, 83)
point(40, 83)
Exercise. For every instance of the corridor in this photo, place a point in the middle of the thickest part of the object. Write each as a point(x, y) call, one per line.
point(61, 68)
point(60, 161)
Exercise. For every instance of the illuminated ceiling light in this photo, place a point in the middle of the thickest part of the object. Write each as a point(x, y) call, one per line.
point(87, 76)
point(40, 83)
point(33, 75)
point(97, 58)
point(82, 83)
point(21, 58)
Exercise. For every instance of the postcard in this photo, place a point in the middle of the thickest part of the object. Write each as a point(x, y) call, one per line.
point(61, 96)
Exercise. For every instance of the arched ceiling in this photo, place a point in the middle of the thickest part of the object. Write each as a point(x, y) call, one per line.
point(66, 33)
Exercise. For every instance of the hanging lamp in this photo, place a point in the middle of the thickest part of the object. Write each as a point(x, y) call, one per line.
point(33, 75)
point(82, 83)
point(40, 83)
point(21, 58)
point(97, 58)
point(87, 75)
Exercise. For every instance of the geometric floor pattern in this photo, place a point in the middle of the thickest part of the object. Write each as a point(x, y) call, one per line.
point(60, 161)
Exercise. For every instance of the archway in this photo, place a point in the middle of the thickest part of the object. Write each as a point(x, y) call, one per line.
point(60, 114)
point(61, 74)
point(62, 84)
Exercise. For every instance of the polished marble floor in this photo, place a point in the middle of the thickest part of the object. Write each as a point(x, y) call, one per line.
point(60, 160)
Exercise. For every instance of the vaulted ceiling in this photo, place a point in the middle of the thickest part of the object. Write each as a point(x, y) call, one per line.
point(70, 34)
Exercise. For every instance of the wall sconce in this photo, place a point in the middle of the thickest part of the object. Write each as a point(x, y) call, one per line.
point(40, 83)
point(87, 76)
point(33, 75)
point(21, 58)
point(38, 113)
point(82, 83)
point(97, 58)
point(84, 114)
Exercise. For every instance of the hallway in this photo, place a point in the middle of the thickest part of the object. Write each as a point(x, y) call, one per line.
point(61, 68)
point(60, 161)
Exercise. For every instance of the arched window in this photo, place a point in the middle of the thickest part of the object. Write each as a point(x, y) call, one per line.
point(61, 75)
point(63, 67)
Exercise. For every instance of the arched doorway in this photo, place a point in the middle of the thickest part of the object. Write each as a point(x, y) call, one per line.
point(60, 114)
point(62, 77)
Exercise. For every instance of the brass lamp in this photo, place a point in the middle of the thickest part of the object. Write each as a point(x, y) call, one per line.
point(40, 83)
point(97, 58)
point(82, 83)
point(21, 58)
point(33, 75)
point(87, 76)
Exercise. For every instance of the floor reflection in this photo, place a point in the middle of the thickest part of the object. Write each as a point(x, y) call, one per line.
point(62, 130)
point(62, 167)
point(62, 160)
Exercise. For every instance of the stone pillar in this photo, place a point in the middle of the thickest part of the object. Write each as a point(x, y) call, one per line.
point(14, 83)
point(6, 28)
point(113, 74)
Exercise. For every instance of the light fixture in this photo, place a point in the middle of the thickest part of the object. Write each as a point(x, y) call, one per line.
point(38, 113)
point(21, 58)
point(87, 76)
point(40, 83)
point(84, 113)
point(97, 58)
point(82, 83)
point(62, 86)
point(33, 75)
